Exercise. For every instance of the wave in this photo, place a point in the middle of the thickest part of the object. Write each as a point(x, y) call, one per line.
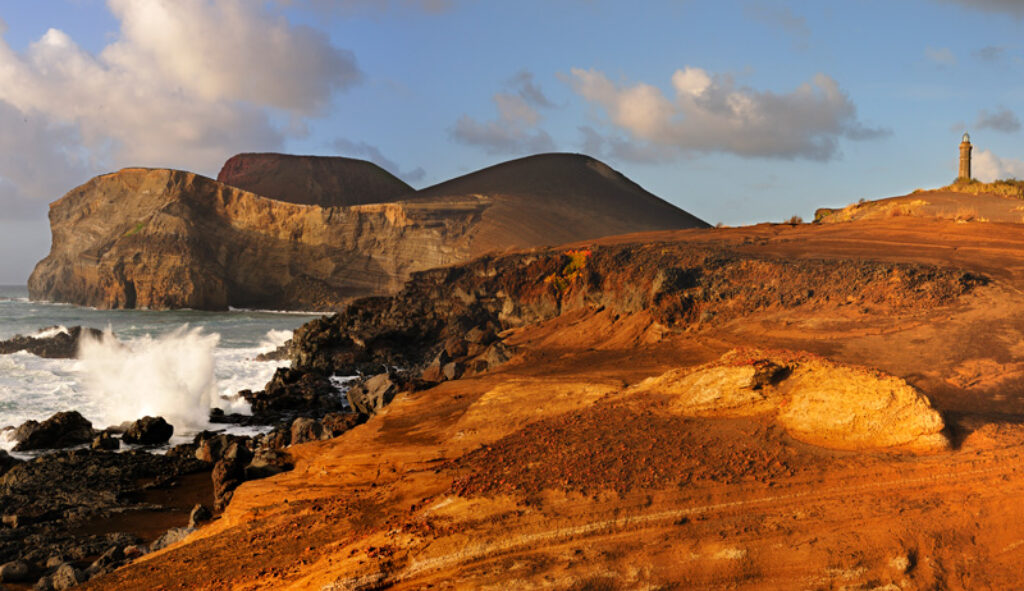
point(170, 376)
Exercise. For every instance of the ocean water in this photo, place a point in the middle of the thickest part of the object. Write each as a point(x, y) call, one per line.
point(176, 364)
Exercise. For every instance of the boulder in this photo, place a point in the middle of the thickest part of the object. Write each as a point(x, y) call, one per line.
point(66, 576)
point(305, 429)
point(817, 401)
point(16, 571)
point(266, 463)
point(148, 431)
point(171, 536)
point(228, 473)
point(105, 441)
point(373, 394)
point(294, 391)
point(64, 429)
point(210, 447)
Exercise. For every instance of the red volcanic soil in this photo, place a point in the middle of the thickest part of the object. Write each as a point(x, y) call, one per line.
point(556, 470)
point(328, 181)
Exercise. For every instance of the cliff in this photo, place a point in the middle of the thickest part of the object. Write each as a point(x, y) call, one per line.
point(312, 180)
point(153, 238)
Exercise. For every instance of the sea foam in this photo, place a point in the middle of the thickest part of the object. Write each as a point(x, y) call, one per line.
point(170, 376)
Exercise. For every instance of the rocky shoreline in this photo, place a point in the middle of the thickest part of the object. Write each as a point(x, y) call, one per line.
point(446, 324)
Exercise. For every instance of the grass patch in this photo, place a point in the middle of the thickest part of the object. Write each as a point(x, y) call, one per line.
point(1003, 187)
point(138, 226)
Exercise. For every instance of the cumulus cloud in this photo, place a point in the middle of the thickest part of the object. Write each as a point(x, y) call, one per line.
point(1002, 119)
point(942, 56)
point(709, 113)
point(184, 84)
point(373, 154)
point(988, 167)
point(515, 130)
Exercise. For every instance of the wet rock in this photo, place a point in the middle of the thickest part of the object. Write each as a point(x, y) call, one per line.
point(210, 447)
point(199, 514)
point(291, 391)
point(59, 344)
point(148, 431)
point(64, 429)
point(373, 394)
point(305, 429)
point(105, 441)
point(228, 473)
point(279, 438)
point(44, 584)
point(171, 536)
point(133, 551)
point(16, 571)
point(66, 576)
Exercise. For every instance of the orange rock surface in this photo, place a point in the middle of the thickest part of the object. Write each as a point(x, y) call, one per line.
point(565, 469)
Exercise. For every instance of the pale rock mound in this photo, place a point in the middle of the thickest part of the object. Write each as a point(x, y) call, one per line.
point(817, 401)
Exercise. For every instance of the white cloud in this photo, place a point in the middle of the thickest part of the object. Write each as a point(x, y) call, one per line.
point(185, 84)
point(987, 167)
point(515, 130)
point(709, 113)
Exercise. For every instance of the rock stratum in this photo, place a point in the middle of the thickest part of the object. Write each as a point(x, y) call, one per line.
point(157, 238)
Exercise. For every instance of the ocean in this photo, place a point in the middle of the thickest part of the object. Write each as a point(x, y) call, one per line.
point(176, 364)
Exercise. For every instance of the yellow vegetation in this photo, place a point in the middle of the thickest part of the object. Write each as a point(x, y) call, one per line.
point(1002, 187)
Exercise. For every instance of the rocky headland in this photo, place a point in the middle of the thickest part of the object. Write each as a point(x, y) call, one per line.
point(151, 238)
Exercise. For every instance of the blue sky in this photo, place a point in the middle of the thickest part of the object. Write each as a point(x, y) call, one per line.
point(738, 111)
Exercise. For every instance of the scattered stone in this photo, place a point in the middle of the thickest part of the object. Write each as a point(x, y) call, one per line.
point(105, 441)
point(133, 551)
point(199, 514)
point(305, 429)
point(64, 429)
point(66, 576)
point(16, 571)
point(171, 536)
point(44, 584)
point(148, 431)
point(54, 561)
point(373, 394)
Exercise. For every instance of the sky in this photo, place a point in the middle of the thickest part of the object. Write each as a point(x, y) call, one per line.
point(738, 111)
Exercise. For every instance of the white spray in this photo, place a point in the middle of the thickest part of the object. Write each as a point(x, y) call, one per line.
point(170, 376)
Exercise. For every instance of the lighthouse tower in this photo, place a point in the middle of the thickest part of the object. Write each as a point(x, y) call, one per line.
point(965, 158)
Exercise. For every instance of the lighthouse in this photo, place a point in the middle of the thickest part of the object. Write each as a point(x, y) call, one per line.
point(965, 158)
